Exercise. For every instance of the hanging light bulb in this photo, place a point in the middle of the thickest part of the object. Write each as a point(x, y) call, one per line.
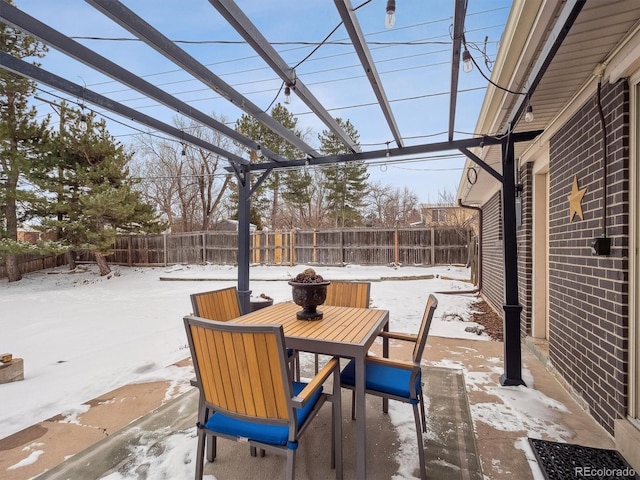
point(467, 62)
point(390, 16)
point(287, 95)
point(184, 150)
point(82, 123)
point(528, 115)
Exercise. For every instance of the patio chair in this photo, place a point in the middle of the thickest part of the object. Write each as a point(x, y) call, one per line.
point(397, 379)
point(221, 305)
point(346, 294)
point(224, 305)
point(244, 381)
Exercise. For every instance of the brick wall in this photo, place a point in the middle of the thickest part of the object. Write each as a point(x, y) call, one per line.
point(492, 269)
point(493, 251)
point(588, 295)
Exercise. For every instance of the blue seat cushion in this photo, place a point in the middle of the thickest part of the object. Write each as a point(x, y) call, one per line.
point(381, 378)
point(260, 432)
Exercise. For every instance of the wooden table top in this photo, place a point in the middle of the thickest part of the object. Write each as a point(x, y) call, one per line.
point(346, 325)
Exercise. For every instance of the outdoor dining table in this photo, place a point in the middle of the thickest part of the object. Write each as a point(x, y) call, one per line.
point(344, 332)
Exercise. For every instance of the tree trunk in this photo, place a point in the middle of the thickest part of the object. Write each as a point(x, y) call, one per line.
point(13, 268)
point(11, 218)
point(103, 266)
point(71, 259)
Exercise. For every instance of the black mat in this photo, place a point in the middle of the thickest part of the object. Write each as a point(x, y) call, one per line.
point(563, 461)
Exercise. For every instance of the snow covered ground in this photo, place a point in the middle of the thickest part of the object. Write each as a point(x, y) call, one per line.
point(82, 335)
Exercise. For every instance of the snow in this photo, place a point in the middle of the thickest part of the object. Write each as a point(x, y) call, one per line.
point(82, 335)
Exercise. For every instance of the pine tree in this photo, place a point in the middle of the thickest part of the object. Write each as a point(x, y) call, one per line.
point(22, 139)
point(95, 198)
point(346, 184)
point(278, 182)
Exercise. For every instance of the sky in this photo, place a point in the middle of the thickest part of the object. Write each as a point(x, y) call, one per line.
point(413, 60)
point(82, 335)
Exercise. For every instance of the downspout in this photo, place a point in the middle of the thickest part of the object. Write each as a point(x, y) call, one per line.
point(479, 210)
point(478, 288)
point(602, 245)
point(603, 126)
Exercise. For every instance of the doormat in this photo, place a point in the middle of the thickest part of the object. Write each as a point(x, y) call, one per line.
point(564, 461)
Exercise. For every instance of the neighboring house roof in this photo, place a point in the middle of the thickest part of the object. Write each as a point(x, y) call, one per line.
point(595, 44)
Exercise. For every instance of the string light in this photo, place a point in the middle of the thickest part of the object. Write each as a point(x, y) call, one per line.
point(287, 95)
point(528, 116)
point(467, 61)
point(82, 124)
point(390, 16)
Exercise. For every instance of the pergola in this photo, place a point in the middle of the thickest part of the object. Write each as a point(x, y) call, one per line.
point(512, 139)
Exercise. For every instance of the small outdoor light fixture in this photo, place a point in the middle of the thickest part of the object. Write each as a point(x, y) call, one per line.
point(287, 95)
point(390, 16)
point(519, 189)
point(467, 62)
point(528, 115)
point(601, 246)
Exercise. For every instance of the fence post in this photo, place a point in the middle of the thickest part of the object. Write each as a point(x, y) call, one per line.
point(277, 247)
point(266, 248)
point(342, 247)
point(204, 253)
point(433, 246)
point(164, 248)
point(129, 250)
point(292, 247)
point(255, 246)
point(314, 251)
point(396, 248)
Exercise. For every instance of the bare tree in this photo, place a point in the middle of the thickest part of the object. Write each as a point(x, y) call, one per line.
point(461, 218)
point(390, 207)
point(186, 183)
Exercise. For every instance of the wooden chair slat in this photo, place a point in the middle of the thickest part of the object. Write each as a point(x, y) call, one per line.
point(221, 305)
point(348, 294)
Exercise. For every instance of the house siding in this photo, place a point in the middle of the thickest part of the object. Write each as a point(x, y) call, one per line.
point(588, 295)
point(493, 251)
point(492, 269)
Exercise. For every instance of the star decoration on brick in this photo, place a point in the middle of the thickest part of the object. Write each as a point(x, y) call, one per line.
point(575, 200)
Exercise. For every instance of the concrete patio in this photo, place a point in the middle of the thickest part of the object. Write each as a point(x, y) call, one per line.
point(461, 383)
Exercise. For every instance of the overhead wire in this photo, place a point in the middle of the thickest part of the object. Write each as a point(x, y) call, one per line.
point(307, 57)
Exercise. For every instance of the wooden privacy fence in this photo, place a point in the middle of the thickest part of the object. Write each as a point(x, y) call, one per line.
point(361, 246)
point(33, 262)
point(411, 246)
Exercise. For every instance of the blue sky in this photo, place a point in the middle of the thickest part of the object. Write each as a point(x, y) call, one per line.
point(413, 60)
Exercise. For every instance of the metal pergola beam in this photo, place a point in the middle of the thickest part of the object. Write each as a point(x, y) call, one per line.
point(28, 24)
point(459, 13)
point(345, 9)
point(399, 152)
point(15, 65)
point(570, 11)
point(127, 19)
point(512, 375)
point(241, 23)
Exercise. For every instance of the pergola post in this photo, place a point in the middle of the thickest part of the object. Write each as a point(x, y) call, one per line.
point(512, 308)
point(243, 174)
